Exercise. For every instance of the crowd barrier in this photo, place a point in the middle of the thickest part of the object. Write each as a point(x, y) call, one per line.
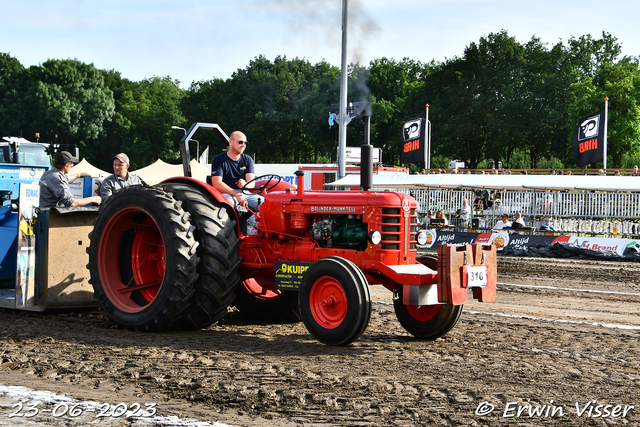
point(587, 213)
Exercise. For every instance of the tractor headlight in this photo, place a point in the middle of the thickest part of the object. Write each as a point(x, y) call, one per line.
point(375, 237)
point(421, 238)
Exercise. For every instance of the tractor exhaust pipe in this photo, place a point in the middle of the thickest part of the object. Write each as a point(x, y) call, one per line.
point(300, 182)
point(366, 156)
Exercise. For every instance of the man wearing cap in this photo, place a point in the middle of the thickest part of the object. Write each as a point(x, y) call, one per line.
point(121, 177)
point(54, 184)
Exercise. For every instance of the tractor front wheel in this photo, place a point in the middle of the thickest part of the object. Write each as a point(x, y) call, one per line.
point(334, 300)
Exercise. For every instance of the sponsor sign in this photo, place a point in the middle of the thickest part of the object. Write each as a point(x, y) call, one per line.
point(503, 239)
point(26, 292)
point(289, 274)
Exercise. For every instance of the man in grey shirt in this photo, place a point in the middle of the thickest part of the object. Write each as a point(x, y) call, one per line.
point(120, 179)
point(54, 184)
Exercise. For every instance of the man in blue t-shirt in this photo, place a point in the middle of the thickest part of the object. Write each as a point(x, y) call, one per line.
point(230, 171)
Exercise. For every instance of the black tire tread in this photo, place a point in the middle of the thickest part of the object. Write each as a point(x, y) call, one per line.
point(219, 256)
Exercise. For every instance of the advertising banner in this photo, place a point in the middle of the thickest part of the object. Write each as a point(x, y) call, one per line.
point(502, 239)
point(412, 139)
point(588, 139)
point(26, 292)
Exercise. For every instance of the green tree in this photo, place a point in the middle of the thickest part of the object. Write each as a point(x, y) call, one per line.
point(11, 73)
point(396, 96)
point(278, 105)
point(67, 101)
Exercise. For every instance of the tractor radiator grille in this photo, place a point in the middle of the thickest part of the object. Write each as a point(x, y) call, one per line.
point(392, 228)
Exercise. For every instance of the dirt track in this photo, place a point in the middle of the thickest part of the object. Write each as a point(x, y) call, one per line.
point(254, 374)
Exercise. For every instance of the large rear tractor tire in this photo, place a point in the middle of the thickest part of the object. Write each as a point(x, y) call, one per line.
point(335, 301)
point(142, 259)
point(219, 256)
point(258, 299)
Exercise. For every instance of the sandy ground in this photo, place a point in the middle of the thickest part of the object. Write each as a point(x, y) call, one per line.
point(553, 350)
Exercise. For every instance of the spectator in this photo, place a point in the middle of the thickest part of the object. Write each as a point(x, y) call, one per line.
point(54, 184)
point(503, 223)
point(552, 172)
point(617, 173)
point(635, 171)
point(440, 215)
point(427, 219)
point(121, 177)
point(568, 172)
point(518, 219)
point(523, 172)
point(601, 172)
point(464, 211)
point(479, 202)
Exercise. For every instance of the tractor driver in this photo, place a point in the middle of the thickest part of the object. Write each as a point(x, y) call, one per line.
point(54, 184)
point(231, 170)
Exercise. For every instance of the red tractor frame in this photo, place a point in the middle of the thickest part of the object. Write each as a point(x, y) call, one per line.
point(178, 254)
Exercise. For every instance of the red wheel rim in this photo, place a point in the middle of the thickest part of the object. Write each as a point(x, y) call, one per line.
point(423, 313)
point(261, 288)
point(328, 302)
point(147, 260)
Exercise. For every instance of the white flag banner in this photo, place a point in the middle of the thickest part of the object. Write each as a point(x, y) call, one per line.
point(204, 157)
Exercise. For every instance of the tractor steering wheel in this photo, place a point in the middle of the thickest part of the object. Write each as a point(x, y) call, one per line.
point(264, 187)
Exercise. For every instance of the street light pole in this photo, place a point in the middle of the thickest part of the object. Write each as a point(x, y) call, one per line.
point(342, 142)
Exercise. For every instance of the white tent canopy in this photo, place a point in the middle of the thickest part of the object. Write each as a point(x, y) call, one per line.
point(85, 166)
point(503, 182)
point(152, 174)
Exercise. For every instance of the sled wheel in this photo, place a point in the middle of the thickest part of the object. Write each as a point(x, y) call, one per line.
point(258, 299)
point(218, 250)
point(427, 321)
point(334, 300)
point(267, 186)
point(152, 289)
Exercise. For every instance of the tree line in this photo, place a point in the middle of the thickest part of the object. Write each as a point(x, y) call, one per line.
point(500, 100)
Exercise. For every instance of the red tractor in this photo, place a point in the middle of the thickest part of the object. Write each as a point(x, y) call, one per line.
point(177, 255)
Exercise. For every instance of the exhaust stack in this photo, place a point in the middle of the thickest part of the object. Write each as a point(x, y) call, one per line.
point(366, 156)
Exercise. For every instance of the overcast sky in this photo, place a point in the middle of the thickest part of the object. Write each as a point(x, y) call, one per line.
point(193, 40)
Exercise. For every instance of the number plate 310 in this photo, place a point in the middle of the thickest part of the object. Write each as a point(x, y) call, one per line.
point(474, 276)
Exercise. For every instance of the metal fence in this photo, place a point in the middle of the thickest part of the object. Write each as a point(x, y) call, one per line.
point(572, 212)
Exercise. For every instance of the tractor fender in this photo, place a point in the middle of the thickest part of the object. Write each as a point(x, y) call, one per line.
point(207, 188)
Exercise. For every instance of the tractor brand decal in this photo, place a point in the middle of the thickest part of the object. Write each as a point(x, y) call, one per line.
point(405, 205)
point(289, 274)
point(333, 209)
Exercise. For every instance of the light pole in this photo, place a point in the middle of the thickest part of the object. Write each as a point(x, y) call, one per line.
point(178, 127)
